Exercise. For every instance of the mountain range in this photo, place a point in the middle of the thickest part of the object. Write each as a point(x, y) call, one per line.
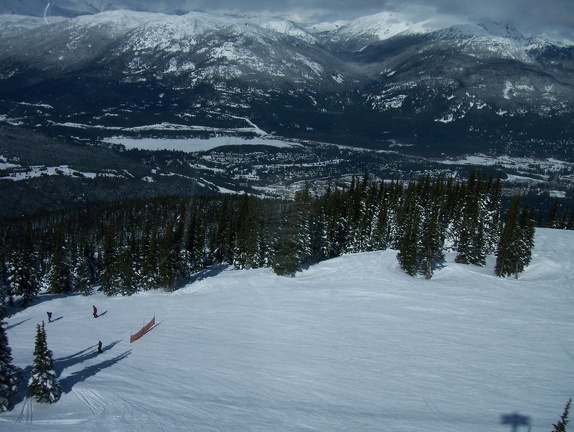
point(429, 89)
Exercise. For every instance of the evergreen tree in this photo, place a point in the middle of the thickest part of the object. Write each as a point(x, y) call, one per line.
point(561, 425)
point(168, 258)
point(10, 375)
point(148, 257)
point(471, 242)
point(296, 243)
point(552, 220)
point(197, 244)
point(402, 207)
point(302, 210)
point(525, 237)
point(43, 384)
point(451, 212)
point(270, 233)
point(81, 272)
point(22, 275)
point(108, 258)
point(431, 245)
point(491, 217)
point(184, 238)
point(184, 235)
point(222, 238)
point(430, 251)
point(563, 224)
point(126, 271)
point(5, 291)
point(510, 256)
point(408, 248)
point(380, 234)
point(410, 235)
point(323, 240)
point(335, 233)
point(245, 253)
point(287, 261)
point(59, 271)
point(354, 203)
point(366, 233)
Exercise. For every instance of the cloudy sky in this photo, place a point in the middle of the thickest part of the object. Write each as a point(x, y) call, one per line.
point(528, 16)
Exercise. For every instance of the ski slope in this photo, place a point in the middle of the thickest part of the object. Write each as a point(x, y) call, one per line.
point(351, 344)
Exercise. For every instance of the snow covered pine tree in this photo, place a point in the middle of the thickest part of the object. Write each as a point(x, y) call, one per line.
point(43, 384)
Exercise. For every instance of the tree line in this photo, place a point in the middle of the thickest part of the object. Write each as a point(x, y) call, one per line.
point(142, 244)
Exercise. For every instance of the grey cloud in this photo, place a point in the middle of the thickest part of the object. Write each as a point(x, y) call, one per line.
point(528, 16)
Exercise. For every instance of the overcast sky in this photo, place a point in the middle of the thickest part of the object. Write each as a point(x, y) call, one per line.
point(528, 16)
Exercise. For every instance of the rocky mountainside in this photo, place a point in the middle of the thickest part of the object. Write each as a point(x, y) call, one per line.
point(372, 82)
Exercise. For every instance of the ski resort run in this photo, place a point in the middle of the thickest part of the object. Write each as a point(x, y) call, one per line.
point(350, 344)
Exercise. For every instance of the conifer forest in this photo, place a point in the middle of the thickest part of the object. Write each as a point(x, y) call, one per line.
point(128, 246)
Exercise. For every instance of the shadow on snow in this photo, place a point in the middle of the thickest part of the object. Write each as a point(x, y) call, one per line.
point(515, 420)
point(79, 357)
point(17, 324)
point(206, 273)
point(70, 381)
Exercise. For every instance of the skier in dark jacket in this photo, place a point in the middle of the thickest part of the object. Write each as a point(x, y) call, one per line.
point(95, 310)
point(100, 347)
point(49, 316)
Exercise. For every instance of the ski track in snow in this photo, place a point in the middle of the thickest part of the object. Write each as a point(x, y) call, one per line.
point(91, 399)
point(352, 343)
point(27, 412)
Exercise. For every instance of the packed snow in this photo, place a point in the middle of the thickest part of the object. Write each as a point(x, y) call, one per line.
point(350, 344)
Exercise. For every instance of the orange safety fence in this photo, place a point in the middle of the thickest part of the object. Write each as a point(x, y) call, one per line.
point(142, 331)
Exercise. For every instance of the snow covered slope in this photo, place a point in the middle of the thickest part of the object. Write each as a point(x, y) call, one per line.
point(350, 344)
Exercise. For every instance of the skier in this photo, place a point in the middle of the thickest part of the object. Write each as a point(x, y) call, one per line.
point(95, 310)
point(49, 316)
point(100, 347)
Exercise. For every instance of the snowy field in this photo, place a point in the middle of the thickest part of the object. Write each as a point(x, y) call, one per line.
point(191, 145)
point(351, 344)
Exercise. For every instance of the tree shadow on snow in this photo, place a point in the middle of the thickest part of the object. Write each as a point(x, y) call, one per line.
point(22, 390)
point(17, 324)
point(70, 381)
point(206, 273)
point(13, 309)
point(79, 357)
point(64, 362)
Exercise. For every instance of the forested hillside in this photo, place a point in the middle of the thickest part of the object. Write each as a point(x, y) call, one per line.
point(128, 246)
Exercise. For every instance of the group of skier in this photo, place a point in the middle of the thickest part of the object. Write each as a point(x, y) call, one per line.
point(95, 314)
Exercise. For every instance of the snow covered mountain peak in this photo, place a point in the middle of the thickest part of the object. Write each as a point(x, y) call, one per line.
point(328, 82)
point(167, 28)
point(386, 25)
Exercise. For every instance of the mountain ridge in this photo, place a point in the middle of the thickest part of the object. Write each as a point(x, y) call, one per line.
point(141, 31)
point(453, 92)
